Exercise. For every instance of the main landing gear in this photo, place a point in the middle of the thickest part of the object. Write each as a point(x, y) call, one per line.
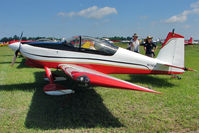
point(52, 88)
point(175, 76)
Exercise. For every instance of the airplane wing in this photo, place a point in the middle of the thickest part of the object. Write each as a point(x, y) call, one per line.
point(86, 75)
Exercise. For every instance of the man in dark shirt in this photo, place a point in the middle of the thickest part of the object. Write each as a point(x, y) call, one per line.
point(150, 47)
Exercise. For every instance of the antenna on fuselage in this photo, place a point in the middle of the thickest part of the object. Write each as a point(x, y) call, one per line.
point(173, 31)
point(80, 42)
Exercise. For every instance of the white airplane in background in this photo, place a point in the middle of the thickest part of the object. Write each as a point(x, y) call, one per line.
point(88, 61)
point(108, 40)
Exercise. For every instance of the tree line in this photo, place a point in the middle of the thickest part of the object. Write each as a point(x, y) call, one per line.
point(16, 38)
point(116, 38)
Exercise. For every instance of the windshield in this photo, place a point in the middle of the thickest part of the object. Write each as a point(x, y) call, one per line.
point(92, 45)
point(72, 42)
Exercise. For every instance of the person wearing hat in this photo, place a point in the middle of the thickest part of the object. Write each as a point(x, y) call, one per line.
point(134, 43)
point(149, 47)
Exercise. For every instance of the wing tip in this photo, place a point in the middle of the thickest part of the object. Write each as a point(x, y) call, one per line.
point(152, 91)
point(147, 89)
point(188, 69)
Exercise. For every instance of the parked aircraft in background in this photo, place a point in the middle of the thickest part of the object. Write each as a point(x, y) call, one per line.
point(189, 42)
point(46, 40)
point(108, 40)
point(3, 43)
point(18, 41)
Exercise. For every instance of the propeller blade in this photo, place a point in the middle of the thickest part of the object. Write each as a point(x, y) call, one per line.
point(21, 37)
point(13, 60)
point(17, 51)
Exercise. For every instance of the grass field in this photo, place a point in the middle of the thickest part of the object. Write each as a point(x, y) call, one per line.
point(25, 108)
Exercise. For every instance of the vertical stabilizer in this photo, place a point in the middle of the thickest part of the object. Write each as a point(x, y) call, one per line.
point(172, 51)
point(190, 41)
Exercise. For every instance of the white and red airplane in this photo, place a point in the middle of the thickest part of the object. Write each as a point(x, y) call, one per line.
point(88, 60)
point(189, 42)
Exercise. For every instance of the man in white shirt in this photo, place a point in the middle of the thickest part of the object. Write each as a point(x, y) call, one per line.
point(134, 44)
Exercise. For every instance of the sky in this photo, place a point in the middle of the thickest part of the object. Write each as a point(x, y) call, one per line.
point(99, 18)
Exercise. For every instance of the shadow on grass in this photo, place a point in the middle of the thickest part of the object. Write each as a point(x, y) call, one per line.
point(83, 109)
point(150, 79)
point(19, 64)
point(22, 64)
point(9, 55)
point(25, 86)
point(9, 62)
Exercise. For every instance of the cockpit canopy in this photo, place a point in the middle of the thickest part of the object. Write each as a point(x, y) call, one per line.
point(80, 44)
point(91, 45)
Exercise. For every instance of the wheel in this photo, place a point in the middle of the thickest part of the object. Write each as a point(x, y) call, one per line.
point(179, 77)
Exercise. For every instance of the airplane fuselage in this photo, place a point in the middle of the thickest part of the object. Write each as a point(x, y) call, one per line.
point(123, 61)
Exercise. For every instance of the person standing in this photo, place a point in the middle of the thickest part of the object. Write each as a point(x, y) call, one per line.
point(150, 47)
point(134, 43)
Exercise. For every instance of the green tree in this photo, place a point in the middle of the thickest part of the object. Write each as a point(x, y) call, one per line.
point(4, 39)
point(24, 38)
point(15, 38)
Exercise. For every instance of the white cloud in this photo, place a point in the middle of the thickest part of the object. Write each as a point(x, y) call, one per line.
point(91, 12)
point(195, 4)
point(183, 16)
point(177, 18)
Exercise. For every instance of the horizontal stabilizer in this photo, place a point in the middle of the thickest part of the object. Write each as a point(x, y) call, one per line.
point(183, 68)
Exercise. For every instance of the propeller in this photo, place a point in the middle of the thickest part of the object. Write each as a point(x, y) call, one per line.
point(17, 51)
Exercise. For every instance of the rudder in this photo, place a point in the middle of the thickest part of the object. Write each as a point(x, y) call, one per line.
point(172, 51)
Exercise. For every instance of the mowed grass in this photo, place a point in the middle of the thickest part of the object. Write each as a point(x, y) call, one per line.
point(25, 108)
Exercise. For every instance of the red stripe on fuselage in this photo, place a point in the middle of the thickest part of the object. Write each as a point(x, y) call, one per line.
point(107, 69)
